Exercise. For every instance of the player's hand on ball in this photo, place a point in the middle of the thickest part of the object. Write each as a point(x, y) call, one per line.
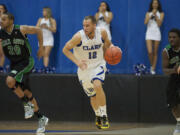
point(40, 52)
point(82, 64)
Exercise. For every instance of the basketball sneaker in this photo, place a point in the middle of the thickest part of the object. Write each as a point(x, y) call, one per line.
point(42, 124)
point(104, 122)
point(98, 122)
point(28, 110)
point(177, 129)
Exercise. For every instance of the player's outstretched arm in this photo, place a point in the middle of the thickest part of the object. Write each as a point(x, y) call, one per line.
point(34, 30)
point(165, 64)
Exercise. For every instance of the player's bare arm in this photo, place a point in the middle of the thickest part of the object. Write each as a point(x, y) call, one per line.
point(34, 30)
point(76, 39)
point(107, 42)
point(165, 64)
point(1, 50)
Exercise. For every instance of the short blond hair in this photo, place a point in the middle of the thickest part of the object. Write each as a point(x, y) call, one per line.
point(49, 12)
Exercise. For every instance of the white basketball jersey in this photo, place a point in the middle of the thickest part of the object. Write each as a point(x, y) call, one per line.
point(90, 50)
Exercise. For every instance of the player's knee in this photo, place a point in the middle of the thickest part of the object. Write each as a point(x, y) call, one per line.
point(11, 82)
point(97, 85)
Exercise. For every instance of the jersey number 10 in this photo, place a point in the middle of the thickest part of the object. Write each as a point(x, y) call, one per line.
point(92, 55)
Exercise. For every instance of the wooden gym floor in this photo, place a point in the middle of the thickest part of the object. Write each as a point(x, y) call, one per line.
point(77, 128)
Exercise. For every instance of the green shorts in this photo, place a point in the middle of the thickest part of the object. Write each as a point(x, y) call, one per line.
point(20, 72)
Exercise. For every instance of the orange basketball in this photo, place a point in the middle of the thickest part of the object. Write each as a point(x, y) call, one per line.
point(113, 55)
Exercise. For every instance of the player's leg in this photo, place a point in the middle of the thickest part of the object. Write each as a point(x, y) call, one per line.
point(47, 50)
point(100, 95)
point(31, 99)
point(97, 111)
point(155, 54)
point(173, 99)
point(94, 105)
point(11, 83)
point(101, 102)
point(149, 45)
point(176, 111)
point(16, 87)
point(43, 120)
point(176, 114)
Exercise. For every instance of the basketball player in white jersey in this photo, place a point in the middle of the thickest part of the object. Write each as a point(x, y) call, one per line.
point(89, 45)
point(104, 17)
point(3, 9)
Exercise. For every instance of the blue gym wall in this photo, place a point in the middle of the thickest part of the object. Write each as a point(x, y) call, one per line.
point(128, 29)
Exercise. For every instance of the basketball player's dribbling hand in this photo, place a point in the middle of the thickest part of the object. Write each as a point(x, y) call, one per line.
point(40, 52)
point(82, 65)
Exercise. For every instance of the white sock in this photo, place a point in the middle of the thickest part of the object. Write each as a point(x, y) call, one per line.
point(103, 110)
point(98, 112)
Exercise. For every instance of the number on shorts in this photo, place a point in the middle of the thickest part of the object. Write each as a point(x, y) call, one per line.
point(92, 55)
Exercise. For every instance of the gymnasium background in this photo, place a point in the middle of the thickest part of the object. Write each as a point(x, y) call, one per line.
point(128, 29)
point(129, 98)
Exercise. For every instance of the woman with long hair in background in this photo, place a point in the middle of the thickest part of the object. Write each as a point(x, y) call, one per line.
point(153, 20)
point(48, 26)
point(104, 17)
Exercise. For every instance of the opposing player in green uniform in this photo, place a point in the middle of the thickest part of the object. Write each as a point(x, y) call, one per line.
point(16, 47)
point(171, 67)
